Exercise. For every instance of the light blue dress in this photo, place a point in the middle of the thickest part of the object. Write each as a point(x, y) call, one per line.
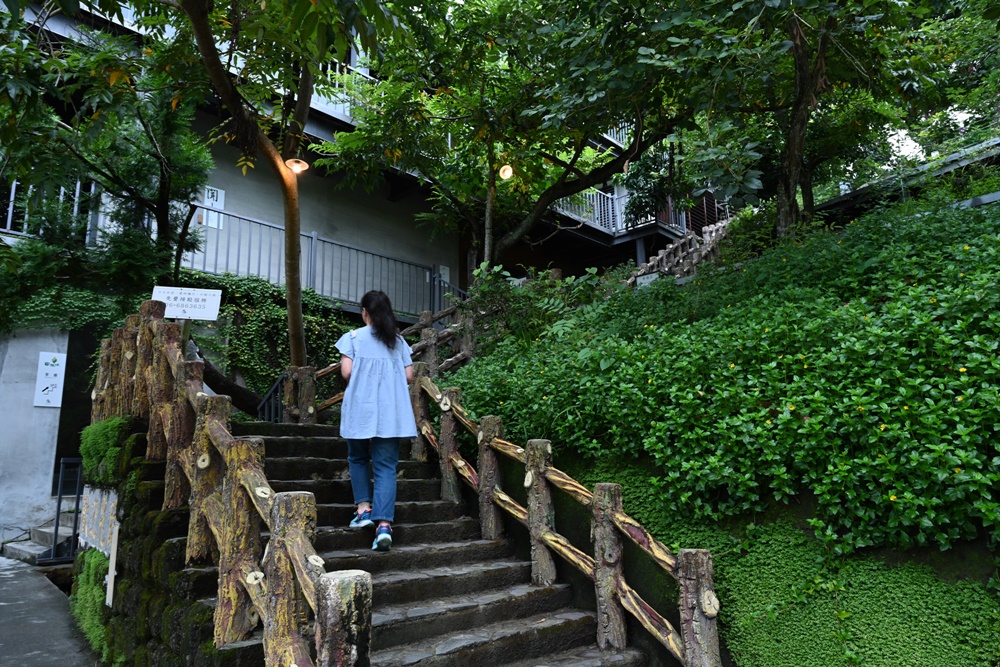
point(377, 400)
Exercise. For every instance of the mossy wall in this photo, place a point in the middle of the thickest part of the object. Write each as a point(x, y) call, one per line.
point(160, 616)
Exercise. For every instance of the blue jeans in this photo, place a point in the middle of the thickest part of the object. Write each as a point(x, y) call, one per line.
point(379, 456)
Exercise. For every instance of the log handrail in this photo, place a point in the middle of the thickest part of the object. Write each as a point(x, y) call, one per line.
point(221, 478)
point(698, 647)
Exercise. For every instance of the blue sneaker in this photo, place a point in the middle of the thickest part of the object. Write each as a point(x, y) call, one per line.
point(383, 539)
point(361, 520)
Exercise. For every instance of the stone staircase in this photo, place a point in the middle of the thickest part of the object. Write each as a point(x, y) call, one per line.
point(442, 596)
point(38, 546)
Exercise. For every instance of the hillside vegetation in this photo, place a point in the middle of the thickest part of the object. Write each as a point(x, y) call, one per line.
point(853, 373)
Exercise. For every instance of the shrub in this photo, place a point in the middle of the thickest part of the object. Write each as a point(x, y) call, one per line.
point(859, 368)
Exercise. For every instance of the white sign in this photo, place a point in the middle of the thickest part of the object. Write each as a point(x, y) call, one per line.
point(50, 379)
point(642, 281)
point(188, 303)
point(214, 198)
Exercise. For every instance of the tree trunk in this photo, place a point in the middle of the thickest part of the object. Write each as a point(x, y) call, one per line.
point(491, 194)
point(293, 252)
point(808, 198)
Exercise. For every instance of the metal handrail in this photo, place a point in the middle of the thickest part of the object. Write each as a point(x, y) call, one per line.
point(54, 556)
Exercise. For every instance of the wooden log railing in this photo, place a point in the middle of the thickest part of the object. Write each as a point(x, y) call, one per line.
point(695, 645)
point(144, 373)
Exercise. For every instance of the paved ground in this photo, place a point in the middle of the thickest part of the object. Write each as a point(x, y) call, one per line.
point(36, 628)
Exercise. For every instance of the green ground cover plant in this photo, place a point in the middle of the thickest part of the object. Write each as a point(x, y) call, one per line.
point(856, 368)
point(787, 603)
point(87, 601)
point(101, 446)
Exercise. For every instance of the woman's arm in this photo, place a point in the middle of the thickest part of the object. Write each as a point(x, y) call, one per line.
point(409, 374)
point(346, 365)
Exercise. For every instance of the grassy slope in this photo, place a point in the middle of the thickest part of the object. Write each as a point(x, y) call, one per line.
point(857, 369)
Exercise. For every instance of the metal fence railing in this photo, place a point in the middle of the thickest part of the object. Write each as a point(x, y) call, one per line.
point(248, 247)
point(606, 212)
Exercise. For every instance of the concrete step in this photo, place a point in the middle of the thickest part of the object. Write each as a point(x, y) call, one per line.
point(26, 551)
point(339, 514)
point(497, 643)
point(264, 429)
point(393, 625)
point(587, 656)
point(399, 586)
point(340, 538)
point(416, 556)
point(285, 468)
point(44, 535)
point(322, 447)
point(339, 490)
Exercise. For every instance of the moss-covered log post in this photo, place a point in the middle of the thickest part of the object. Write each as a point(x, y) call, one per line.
point(98, 397)
point(344, 619)
point(421, 411)
point(541, 512)
point(429, 336)
point(299, 396)
point(207, 470)
point(448, 445)
point(490, 477)
point(608, 567)
point(699, 607)
point(164, 442)
point(293, 514)
point(149, 312)
point(128, 361)
point(240, 547)
point(178, 420)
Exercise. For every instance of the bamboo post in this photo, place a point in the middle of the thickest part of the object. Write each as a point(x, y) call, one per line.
point(541, 513)
point(699, 607)
point(344, 619)
point(421, 411)
point(448, 445)
point(293, 513)
point(489, 478)
point(300, 395)
point(240, 548)
point(608, 567)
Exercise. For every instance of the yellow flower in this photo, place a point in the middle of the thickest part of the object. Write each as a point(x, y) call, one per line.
point(649, 381)
point(966, 248)
point(933, 300)
point(781, 356)
point(861, 408)
point(906, 407)
point(892, 497)
point(805, 365)
point(958, 470)
point(791, 407)
point(766, 330)
point(732, 365)
point(882, 427)
point(544, 397)
point(961, 370)
point(959, 398)
point(768, 421)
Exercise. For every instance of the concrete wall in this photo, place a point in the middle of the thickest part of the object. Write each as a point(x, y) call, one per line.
point(366, 220)
point(28, 434)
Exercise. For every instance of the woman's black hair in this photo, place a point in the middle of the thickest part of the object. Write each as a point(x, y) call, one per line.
point(382, 318)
